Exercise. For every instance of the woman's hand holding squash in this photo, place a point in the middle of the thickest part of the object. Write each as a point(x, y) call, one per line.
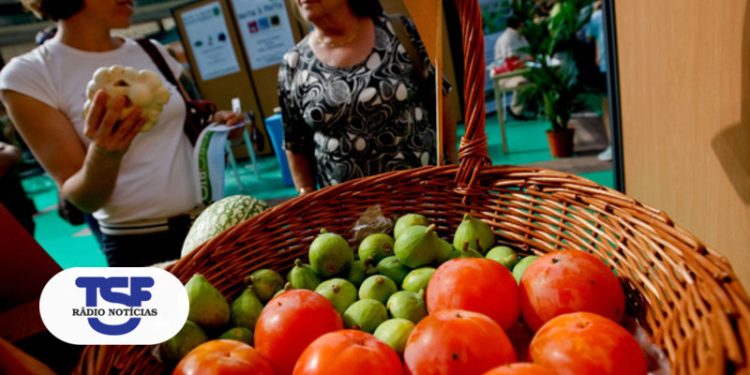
point(110, 136)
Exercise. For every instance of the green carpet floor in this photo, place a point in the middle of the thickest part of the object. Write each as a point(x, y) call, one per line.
point(74, 246)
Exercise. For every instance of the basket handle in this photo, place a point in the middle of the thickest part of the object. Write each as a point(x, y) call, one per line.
point(472, 153)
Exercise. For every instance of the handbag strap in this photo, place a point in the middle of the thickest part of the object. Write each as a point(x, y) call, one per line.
point(158, 59)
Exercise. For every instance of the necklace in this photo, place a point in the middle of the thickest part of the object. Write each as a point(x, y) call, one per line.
point(330, 43)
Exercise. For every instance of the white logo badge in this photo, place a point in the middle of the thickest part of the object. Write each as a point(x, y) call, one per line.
point(114, 306)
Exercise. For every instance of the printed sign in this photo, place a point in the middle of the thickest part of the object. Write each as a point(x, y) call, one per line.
point(207, 33)
point(114, 305)
point(265, 29)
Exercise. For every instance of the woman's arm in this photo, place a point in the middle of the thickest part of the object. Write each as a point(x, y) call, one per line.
point(86, 176)
point(222, 117)
point(301, 170)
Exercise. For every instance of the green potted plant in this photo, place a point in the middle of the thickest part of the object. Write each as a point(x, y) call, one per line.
point(551, 35)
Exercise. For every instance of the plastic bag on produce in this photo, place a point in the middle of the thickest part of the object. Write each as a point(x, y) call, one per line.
point(370, 222)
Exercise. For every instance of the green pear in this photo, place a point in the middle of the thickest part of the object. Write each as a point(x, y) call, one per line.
point(266, 283)
point(340, 292)
point(375, 247)
point(171, 351)
point(246, 309)
point(395, 332)
point(208, 307)
point(377, 287)
point(393, 268)
point(503, 255)
point(357, 272)
point(406, 221)
point(240, 334)
point(330, 254)
point(522, 265)
point(287, 287)
point(303, 276)
point(417, 279)
point(407, 305)
point(444, 251)
point(476, 232)
point(465, 252)
point(417, 246)
point(365, 315)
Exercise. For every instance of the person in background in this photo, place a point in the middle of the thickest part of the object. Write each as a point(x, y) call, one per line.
point(12, 195)
point(350, 100)
point(595, 34)
point(511, 44)
point(140, 186)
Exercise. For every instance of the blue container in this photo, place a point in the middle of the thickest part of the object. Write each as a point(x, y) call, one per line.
point(275, 130)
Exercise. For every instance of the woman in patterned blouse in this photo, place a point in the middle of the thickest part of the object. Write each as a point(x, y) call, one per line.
point(349, 97)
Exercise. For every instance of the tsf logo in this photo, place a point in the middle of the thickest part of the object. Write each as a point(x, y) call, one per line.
point(104, 287)
point(100, 306)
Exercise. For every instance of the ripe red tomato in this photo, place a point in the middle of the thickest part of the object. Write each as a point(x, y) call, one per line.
point(475, 284)
point(348, 352)
point(567, 281)
point(521, 368)
point(586, 343)
point(456, 342)
point(225, 357)
point(289, 323)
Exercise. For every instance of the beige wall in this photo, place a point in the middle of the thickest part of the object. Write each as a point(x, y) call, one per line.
point(685, 97)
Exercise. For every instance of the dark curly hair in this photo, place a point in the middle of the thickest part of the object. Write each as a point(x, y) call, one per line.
point(53, 9)
point(366, 8)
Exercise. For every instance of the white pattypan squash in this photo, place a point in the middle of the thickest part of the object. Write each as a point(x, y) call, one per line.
point(143, 88)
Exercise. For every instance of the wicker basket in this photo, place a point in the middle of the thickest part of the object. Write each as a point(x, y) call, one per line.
point(684, 294)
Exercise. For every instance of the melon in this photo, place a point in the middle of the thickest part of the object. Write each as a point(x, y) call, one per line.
point(220, 216)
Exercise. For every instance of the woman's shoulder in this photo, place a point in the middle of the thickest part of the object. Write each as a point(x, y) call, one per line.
point(35, 57)
point(30, 63)
point(292, 57)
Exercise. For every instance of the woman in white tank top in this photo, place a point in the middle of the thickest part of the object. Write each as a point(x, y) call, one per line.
point(139, 185)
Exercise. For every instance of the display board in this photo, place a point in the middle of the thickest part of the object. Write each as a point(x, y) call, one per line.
point(216, 58)
point(207, 34)
point(265, 30)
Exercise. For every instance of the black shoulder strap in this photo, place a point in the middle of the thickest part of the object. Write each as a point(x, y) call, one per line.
point(405, 39)
point(158, 59)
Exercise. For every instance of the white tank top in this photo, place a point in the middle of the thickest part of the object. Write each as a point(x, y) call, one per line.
point(156, 179)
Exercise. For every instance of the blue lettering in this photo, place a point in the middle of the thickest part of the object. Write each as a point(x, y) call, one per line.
point(103, 286)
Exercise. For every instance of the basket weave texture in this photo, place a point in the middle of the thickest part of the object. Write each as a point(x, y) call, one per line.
point(684, 294)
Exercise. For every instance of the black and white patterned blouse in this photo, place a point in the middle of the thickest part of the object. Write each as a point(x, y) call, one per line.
point(361, 120)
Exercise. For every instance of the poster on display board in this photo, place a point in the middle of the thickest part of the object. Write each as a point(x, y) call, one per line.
point(207, 33)
point(265, 29)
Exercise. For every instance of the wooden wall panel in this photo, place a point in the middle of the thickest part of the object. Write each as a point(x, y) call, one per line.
point(685, 100)
point(424, 14)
